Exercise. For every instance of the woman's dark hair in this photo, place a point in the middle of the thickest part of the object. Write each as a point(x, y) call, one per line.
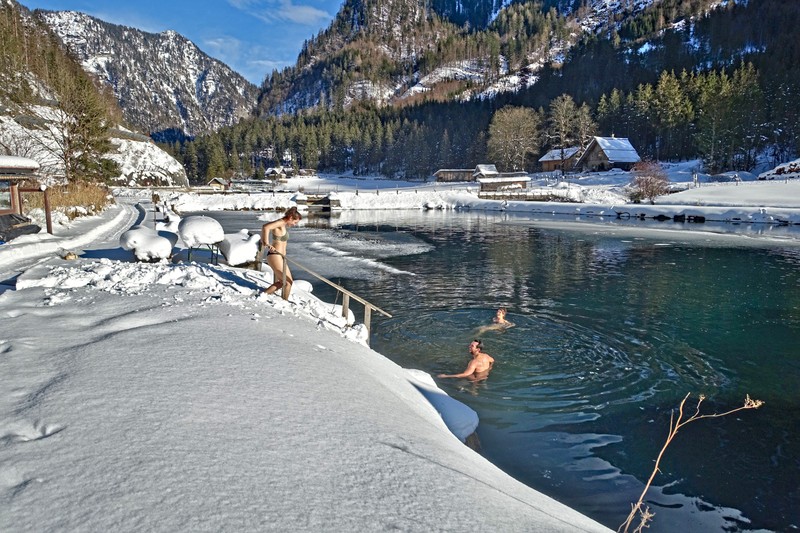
point(292, 214)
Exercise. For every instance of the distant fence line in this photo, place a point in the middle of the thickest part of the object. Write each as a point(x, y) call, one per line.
point(539, 194)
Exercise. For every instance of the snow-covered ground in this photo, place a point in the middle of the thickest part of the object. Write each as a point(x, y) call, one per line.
point(161, 396)
point(166, 396)
point(598, 193)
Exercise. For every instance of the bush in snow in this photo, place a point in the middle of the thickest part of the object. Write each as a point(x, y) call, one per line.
point(650, 182)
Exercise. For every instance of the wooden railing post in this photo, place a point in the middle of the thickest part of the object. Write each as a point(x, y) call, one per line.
point(47, 215)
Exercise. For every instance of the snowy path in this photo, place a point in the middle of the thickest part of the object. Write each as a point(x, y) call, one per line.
point(28, 250)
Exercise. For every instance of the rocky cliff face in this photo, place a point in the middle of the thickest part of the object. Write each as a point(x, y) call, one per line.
point(165, 85)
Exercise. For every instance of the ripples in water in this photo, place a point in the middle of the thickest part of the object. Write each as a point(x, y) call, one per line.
point(547, 362)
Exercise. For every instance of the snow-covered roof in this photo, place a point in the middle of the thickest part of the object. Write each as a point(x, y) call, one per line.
point(453, 170)
point(617, 149)
point(485, 169)
point(555, 154)
point(12, 164)
point(505, 179)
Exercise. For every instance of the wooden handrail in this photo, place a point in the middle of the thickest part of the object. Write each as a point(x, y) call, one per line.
point(346, 295)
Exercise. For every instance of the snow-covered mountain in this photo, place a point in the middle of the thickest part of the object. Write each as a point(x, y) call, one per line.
point(388, 51)
point(42, 101)
point(165, 85)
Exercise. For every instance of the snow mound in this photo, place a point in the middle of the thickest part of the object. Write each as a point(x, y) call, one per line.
point(459, 418)
point(200, 230)
point(240, 248)
point(146, 244)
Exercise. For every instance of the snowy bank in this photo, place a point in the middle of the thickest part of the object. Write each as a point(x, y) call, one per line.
point(768, 202)
point(175, 397)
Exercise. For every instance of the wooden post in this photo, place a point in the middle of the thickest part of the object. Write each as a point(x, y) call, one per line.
point(47, 216)
point(367, 319)
point(16, 191)
point(345, 305)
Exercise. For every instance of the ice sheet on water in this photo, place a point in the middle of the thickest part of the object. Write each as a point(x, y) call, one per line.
point(353, 254)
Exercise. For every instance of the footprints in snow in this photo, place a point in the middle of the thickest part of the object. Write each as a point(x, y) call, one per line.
point(37, 431)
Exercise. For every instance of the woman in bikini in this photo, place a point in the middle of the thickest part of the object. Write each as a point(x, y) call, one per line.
point(276, 250)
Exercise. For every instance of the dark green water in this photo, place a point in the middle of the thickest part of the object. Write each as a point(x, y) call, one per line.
point(613, 329)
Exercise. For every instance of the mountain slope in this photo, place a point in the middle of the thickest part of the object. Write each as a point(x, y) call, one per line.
point(165, 85)
point(53, 111)
point(401, 51)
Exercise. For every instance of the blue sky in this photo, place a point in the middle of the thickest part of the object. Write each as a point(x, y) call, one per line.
point(251, 36)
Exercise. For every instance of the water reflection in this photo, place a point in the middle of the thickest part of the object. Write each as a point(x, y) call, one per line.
point(613, 328)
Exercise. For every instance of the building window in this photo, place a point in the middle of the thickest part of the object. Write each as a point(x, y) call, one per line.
point(5, 196)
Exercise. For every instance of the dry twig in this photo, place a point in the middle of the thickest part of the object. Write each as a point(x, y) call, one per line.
point(674, 425)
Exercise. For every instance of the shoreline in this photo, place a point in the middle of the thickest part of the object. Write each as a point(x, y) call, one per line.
point(213, 384)
point(110, 233)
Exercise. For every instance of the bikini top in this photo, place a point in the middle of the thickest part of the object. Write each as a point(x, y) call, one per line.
point(282, 238)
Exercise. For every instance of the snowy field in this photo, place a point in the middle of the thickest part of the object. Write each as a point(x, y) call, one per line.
point(163, 396)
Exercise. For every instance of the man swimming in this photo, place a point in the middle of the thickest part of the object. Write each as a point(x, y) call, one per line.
point(477, 369)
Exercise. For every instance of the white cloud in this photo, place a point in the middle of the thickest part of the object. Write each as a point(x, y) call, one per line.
point(227, 49)
point(271, 11)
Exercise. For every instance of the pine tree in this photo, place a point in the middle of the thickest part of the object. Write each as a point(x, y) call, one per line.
point(672, 111)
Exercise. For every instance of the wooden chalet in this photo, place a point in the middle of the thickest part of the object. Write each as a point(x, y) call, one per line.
point(13, 170)
point(558, 159)
point(219, 184)
point(605, 153)
point(506, 181)
point(485, 171)
point(454, 174)
point(466, 174)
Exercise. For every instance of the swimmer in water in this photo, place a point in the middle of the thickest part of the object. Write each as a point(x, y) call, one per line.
point(478, 368)
point(499, 322)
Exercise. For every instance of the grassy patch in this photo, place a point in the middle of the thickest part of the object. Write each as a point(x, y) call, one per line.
point(73, 199)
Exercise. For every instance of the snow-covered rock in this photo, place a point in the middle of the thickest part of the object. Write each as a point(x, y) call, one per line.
point(141, 162)
point(788, 170)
